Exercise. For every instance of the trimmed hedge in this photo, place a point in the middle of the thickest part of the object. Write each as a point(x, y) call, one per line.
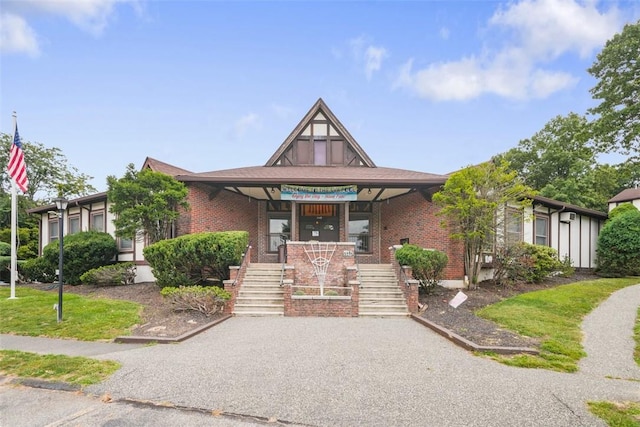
point(122, 273)
point(38, 270)
point(619, 245)
point(427, 264)
point(82, 252)
point(193, 258)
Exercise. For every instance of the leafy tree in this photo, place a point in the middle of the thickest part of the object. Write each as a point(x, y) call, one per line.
point(619, 245)
point(48, 170)
point(617, 68)
point(145, 202)
point(49, 176)
point(472, 199)
point(561, 163)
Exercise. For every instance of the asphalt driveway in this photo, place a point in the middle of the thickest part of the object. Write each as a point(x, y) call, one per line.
point(351, 372)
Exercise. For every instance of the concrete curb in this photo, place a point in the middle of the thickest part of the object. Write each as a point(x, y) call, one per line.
point(164, 340)
point(470, 345)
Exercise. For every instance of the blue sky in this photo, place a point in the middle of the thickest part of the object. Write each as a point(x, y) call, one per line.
point(431, 86)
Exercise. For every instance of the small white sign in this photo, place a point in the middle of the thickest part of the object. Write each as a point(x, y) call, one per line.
point(458, 299)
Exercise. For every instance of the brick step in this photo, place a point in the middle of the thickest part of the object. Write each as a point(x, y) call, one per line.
point(263, 308)
point(261, 290)
point(381, 298)
point(268, 299)
point(255, 313)
point(264, 284)
point(382, 314)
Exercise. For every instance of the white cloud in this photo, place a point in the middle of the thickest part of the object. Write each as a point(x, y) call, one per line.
point(244, 124)
point(91, 16)
point(539, 31)
point(16, 36)
point(373, 60)
point(549, 28)
point(367, 54)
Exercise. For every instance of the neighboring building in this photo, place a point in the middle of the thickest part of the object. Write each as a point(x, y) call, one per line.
point(630, 195)
point(92, 213)
point(321, 185)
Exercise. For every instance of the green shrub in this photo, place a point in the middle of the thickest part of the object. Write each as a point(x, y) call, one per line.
point(38, 270)
point(330, 293)
point(299, 292)
point(28, 241)
point(427, 264)
point(194, 258)
point(5, 249)
point(618, 252)
point(524, 262)
point(82, 252)
point(621, 208)
point(122, 273)
point(205, 299)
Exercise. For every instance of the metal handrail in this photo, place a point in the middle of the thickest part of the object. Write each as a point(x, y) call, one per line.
point(283, 238)
point(244, 257)
point(403, 275)
point(355, 257)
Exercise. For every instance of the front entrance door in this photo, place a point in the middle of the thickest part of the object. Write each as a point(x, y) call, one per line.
point(319, 222)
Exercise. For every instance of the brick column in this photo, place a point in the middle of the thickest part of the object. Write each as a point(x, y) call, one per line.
point(406, 282)
point(236, 275)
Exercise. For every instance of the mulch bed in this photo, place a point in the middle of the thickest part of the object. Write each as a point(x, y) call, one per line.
point(159, 320)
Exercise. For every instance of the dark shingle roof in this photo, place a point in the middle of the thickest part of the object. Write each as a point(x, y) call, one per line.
point(158, 166)
point(258, 175)
point(627, 195)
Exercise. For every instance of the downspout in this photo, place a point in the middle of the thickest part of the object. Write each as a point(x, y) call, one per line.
point(559, 233)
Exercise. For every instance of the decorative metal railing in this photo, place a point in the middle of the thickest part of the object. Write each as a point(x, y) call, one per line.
point(243, 265)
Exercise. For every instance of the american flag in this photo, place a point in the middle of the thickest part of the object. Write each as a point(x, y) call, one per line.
point(17, 167)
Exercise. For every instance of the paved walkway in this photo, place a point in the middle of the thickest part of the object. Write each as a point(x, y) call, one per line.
point(374, 372)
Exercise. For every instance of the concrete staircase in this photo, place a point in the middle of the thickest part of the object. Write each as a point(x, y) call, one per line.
point(260, 293)
point(379, 292)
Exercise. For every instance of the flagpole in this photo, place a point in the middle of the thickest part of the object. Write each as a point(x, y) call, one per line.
point(14, 224)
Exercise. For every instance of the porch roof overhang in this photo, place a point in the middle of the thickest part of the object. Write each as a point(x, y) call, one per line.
point(374, 184)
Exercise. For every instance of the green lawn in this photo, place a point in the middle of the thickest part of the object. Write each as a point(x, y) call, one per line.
point(86, 319)
point(625, 414)
point(55, 367)
point(555, 316)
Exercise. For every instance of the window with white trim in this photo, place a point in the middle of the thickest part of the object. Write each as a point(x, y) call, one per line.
point(513, 227)
point(125, 244)
point(53, 231)
point(97, 221)
point(73, 224)
point(541, 230)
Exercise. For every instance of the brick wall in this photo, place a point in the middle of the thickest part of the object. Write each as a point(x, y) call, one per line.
point(224, 211)
point(412, 216)
point(409, 216)
point(340, 274)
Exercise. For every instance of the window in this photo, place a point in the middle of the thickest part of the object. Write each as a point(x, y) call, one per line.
point(53, 230)
point(320, 152)
point(279, 229)
point(513, 228)
point(541, 231)
point(125, 244)
point(97, 221)
point(74, 224)
point(359, 232)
